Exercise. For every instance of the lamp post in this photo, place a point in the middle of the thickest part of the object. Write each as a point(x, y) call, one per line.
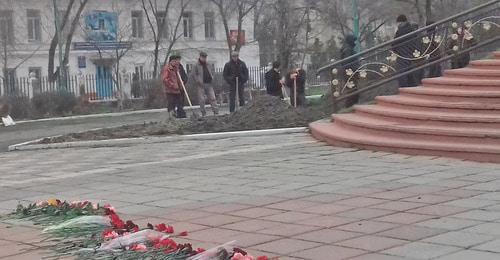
point(61, 82)
point(355, 17)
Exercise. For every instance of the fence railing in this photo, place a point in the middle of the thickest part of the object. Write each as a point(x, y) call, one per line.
point(95, 87)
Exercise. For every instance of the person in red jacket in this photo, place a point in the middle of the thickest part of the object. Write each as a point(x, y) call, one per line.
point(172, 84)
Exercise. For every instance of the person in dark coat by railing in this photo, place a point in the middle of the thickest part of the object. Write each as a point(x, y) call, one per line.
point(299, 75)
point(461, 39)
point(404, 47)
point(236, 72)
point(435, 52)
point(349, 50)
point(273, 81)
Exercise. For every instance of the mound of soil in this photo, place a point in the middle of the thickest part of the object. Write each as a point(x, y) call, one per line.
point(264, 112)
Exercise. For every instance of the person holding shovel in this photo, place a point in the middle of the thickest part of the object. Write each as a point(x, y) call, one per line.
point(273, 81)
point(172, 82)
point(236, 75)
point(295, 80)
point(202, 77)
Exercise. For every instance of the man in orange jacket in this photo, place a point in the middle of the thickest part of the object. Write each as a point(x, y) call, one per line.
point(172, 84)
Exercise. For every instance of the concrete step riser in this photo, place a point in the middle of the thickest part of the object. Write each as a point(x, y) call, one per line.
point(464, 155)
point(430, 123)
point(486, 119)
point(478, 100)
point(462, 87)
point(427, 135)
point(464, 111)
point(464, 76)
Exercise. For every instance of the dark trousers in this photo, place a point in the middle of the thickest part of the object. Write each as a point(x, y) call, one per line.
point(232, 96)
point(301, 98)
point(175, 102)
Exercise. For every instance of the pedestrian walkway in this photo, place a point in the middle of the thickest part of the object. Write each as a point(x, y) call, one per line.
point(285, 195)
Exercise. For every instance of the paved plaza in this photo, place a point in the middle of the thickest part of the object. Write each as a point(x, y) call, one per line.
point(281, 195)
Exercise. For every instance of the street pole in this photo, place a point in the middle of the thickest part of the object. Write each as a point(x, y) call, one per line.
point(355, 17)
point(61, 83)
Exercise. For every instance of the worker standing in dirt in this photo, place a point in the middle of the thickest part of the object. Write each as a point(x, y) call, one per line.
point(296, 78)
point(202, 77)
point(172, 84)
point(273, 81)
point(236, 75)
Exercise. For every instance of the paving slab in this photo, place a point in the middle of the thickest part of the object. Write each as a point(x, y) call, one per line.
point(310, 202)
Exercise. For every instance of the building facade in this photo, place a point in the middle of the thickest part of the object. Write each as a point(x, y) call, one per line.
point(115, 30)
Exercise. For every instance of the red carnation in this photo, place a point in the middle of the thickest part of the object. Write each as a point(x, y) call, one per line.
point(116, 221)
point(164, 228)
point(262, 258)
point(183, 234)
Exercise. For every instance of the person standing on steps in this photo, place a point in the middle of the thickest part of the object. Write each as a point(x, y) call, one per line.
point(404, 48)
point(348, 50)
point(172, 83)
point(202, 77)
point(296, 78)
point(435, 70)
point(461, 39)
point(273, 81)
point(236, 75)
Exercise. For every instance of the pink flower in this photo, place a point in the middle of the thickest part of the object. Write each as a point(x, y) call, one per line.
point(240, 256)
point(42, 203)
point(109, 234)
point(139, 248)
point(109, 208)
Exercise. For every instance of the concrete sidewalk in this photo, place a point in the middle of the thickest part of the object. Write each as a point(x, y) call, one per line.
point(284, 195)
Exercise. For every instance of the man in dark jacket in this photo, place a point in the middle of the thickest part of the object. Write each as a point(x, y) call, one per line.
point(273, 81)
point(348, 50)
point(404, 47)
point(297, 75)
point(435, 70)
point(236, 75)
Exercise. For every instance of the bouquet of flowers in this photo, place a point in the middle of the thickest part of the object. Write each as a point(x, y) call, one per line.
point(89, 231)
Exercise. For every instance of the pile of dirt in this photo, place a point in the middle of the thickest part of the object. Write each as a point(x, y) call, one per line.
point(263, 112)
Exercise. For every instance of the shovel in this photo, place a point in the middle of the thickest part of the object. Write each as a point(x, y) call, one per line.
point(295, 92)
point(185, 92)
point(237, 98)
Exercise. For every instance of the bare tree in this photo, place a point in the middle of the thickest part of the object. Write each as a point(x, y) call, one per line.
point(158, 18)
point(69, 20)
point(226, 9)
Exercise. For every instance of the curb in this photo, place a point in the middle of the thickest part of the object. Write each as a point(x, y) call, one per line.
point(32, 145)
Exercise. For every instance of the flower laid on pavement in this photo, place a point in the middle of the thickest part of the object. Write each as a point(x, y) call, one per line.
point(89, 231)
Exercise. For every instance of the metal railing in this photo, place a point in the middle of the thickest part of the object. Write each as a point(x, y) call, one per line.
point(409, 57)
point(104, 87)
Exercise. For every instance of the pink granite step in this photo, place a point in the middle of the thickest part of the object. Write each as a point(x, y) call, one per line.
point(427, 105)
point(457, 115)
point(339, 136)
point(418, 130)
point(472, 73)
point(486, 64)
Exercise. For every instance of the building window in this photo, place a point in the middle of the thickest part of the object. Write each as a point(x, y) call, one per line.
point(34, 26)
point(162, 24)
point(6, 26)
point(209, 25)
point(10, 80)
point(187, 24)
point(137, 24)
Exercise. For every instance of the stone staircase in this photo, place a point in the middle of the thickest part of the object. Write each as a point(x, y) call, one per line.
point(457, 115)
